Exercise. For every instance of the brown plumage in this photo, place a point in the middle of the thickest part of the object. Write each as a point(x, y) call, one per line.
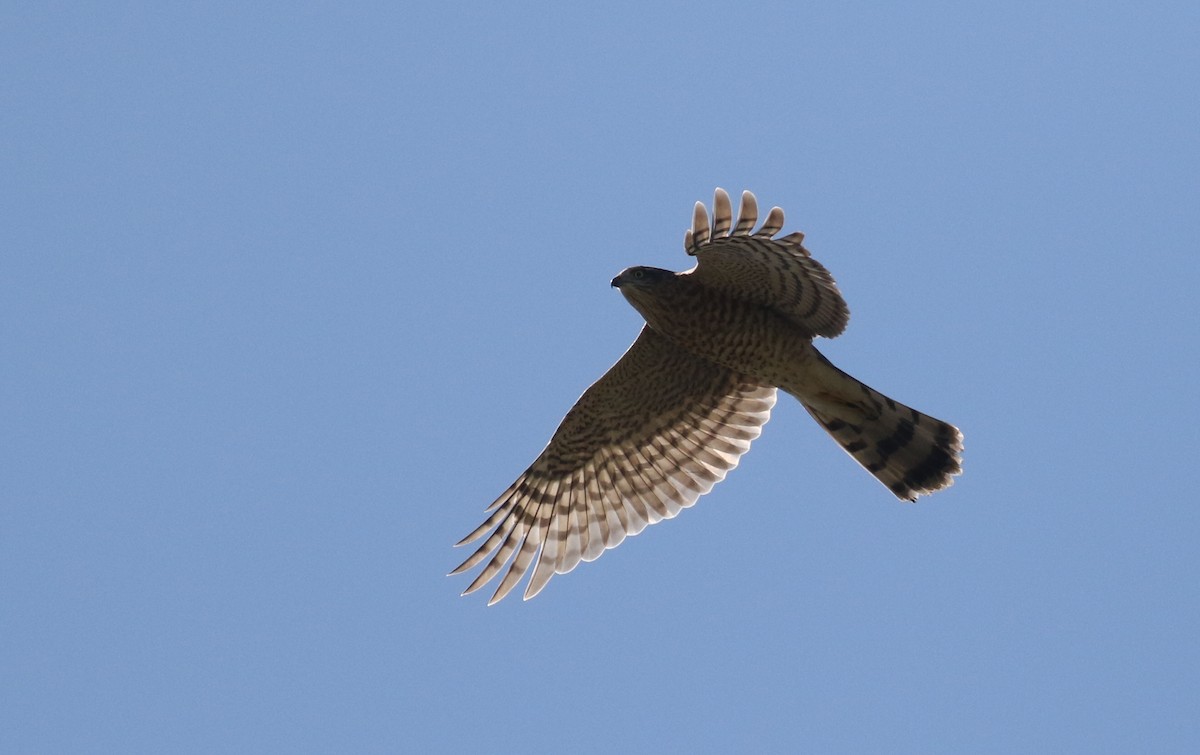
point(678, 410)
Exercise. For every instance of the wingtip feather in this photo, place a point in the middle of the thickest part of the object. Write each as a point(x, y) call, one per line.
point(747, 214)
point(772, 224)
point(722, 214)
point(700, 227)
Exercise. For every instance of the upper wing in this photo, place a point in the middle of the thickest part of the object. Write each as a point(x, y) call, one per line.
point(656, 432)
point(776, 273)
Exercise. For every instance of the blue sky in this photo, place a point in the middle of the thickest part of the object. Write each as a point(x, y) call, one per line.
point(291, 292)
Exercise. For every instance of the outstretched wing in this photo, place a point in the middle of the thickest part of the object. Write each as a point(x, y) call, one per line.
point(754, 267)
point(646, 440)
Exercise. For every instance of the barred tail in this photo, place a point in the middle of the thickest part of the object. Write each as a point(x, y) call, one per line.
point(911, 453)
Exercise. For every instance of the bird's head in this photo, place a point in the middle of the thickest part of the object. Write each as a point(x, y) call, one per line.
point(646, 288)
point(641, 278)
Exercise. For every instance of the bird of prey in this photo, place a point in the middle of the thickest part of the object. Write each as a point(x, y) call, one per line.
point(680, 407)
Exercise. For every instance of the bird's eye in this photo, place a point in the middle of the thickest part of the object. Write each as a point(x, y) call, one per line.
point(639, 275)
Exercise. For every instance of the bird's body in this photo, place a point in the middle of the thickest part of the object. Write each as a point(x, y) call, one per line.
point(743, 337)
point(681, 406)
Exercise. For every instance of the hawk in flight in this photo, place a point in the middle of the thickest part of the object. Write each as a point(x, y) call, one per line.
point(680, 407)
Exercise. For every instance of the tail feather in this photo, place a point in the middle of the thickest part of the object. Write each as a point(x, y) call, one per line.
point(911, 453)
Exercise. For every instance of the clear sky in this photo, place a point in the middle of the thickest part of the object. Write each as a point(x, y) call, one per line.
point(290, 292)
